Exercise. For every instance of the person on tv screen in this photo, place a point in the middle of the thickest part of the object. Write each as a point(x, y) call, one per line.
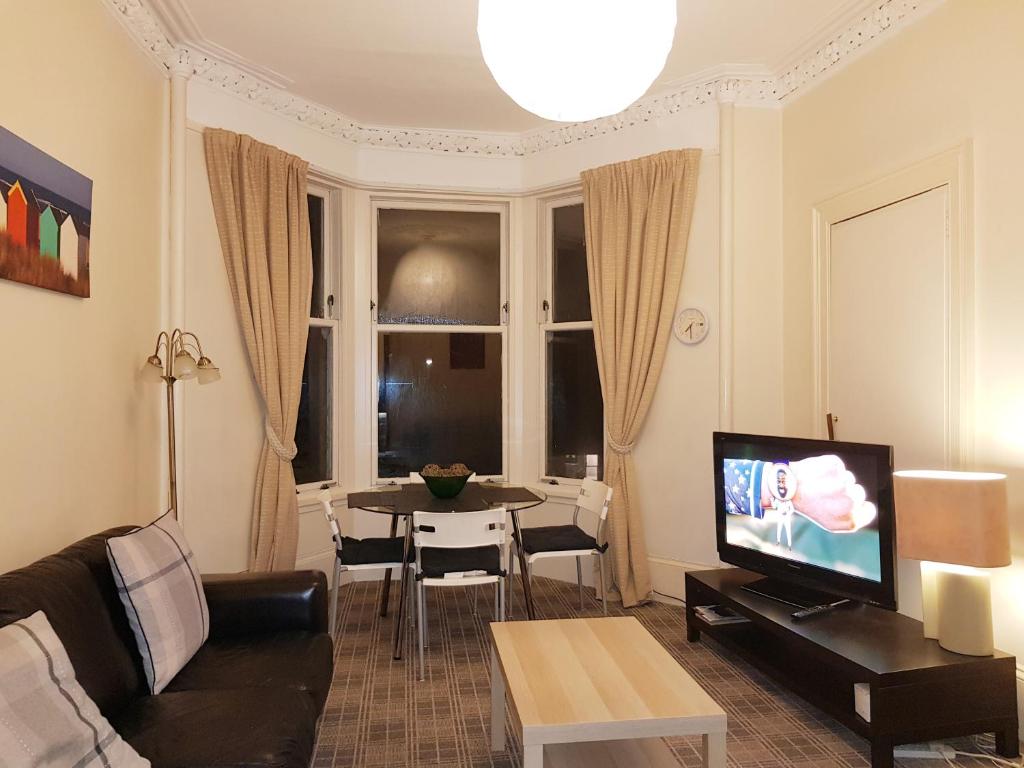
point(819, 488)
point(783, 489)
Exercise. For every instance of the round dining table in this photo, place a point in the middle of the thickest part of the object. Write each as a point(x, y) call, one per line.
point(400, 501)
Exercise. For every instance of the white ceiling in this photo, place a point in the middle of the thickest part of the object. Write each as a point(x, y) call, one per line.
point(417, 63)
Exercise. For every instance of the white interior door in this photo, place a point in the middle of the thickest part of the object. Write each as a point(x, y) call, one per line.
point(887, 326)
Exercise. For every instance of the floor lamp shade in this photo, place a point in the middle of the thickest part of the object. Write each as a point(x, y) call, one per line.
point(954, 523)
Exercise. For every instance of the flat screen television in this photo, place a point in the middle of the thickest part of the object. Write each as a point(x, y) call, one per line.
point(814, 516)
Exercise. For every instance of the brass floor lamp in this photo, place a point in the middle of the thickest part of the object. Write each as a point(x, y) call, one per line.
point(181, 348)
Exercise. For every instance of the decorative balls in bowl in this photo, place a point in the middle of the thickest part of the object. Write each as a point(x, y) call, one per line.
point(446, 482)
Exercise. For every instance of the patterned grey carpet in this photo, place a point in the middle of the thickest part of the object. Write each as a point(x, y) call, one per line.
point(379, 715)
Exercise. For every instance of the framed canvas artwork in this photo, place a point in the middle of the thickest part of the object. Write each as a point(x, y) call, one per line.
point(45, 219)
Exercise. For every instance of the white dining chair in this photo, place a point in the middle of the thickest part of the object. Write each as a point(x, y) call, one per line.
point(571, 540)
point(357, 554)
point(458, 549)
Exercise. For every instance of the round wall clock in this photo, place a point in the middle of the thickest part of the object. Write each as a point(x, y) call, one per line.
point(691, 326)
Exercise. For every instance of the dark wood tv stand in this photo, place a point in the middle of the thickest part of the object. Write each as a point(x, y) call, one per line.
point(919, 691)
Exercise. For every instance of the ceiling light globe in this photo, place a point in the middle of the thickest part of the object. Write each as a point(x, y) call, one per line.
point(574, 60)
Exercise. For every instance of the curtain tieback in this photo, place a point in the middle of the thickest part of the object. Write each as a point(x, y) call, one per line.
point(283, 453)
point(619, 448)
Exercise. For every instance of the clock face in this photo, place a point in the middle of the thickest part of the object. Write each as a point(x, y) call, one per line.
point(691, 326)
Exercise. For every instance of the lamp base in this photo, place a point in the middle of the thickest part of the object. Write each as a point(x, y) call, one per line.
point(964, 598)
point(930, 599)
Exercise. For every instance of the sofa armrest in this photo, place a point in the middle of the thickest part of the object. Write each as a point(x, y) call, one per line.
point(252, 603)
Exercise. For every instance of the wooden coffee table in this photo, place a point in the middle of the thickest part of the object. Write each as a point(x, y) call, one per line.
point(573, 682)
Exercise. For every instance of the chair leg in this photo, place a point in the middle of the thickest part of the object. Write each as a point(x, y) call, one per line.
point(426, 620)
point(502, 582)
point(421, 621)
point(579, 579)
point(497, 601)
point(476, 591)
point(604, 592)
point(334, 596)
point(410, 610)
point(510, 583)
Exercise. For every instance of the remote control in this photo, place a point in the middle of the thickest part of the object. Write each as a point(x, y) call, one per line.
point(814, 610)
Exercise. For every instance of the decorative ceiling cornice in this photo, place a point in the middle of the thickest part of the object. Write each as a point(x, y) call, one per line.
point(881, 18)
point(739, 86)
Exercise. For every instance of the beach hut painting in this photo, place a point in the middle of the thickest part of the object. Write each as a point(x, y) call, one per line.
point(45, 219)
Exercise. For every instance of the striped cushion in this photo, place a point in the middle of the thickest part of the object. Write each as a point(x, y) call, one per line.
point(163, 594)
point(46, 718)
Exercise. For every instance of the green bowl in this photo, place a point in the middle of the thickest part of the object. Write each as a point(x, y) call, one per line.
point(445, 487)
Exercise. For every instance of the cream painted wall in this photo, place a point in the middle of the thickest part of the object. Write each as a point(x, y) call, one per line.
point(79, 432)
point(758, 274)
point(952, 77)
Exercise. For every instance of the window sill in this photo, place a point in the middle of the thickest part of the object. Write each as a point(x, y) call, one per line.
point(561, 492)
point(309, 500)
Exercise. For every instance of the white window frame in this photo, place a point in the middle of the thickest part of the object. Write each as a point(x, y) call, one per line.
point(331, 265)
point(378, 202)
point(546, 324)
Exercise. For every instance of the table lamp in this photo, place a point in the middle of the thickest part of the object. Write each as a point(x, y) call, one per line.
point(956, 524)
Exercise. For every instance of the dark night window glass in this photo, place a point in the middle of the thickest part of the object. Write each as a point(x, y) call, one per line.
point(439, 402)
point(313, 462)
point(569, 275)
point(575, 439)
point(316, 238)
point(438, 267)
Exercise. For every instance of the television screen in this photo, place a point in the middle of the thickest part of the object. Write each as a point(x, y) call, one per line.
point(815, 509)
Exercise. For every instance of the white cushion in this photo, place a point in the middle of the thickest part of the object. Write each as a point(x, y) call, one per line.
point(163, 594)
point(46, 718)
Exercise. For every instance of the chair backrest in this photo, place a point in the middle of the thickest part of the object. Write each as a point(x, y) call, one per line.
point(595, 497)
point(325, 499)
point(459, 530)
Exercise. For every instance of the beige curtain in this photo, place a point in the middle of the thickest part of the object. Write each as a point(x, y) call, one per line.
point(637, 217)
point(259, 199)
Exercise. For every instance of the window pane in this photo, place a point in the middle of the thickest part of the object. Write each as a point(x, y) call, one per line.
point(312, 463)
point(438, 267)
point(575, 408)
point(569, 278)
point(316, 238)
point(439, 401)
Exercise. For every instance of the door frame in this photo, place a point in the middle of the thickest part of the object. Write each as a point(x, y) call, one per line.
point(952, 169)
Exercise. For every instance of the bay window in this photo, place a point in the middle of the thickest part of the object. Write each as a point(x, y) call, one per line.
point(574, 408)
point(440, 337)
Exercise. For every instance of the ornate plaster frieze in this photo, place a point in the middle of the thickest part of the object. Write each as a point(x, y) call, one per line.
point(883, 17)
point(767, 90)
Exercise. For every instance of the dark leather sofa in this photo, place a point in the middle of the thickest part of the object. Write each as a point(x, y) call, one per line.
point(253, 694)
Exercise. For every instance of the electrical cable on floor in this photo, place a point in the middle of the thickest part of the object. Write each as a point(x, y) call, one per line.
point(670, 597)
point(985, 741)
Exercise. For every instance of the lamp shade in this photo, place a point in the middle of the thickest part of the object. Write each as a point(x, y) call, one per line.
point(573, 60)
point(153, 370)
point(185, 366)
point(952, 517)
point(208, 372)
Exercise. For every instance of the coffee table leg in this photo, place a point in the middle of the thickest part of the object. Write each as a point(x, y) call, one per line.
point(533, 756)
point(497, 705)
point(714, 750)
